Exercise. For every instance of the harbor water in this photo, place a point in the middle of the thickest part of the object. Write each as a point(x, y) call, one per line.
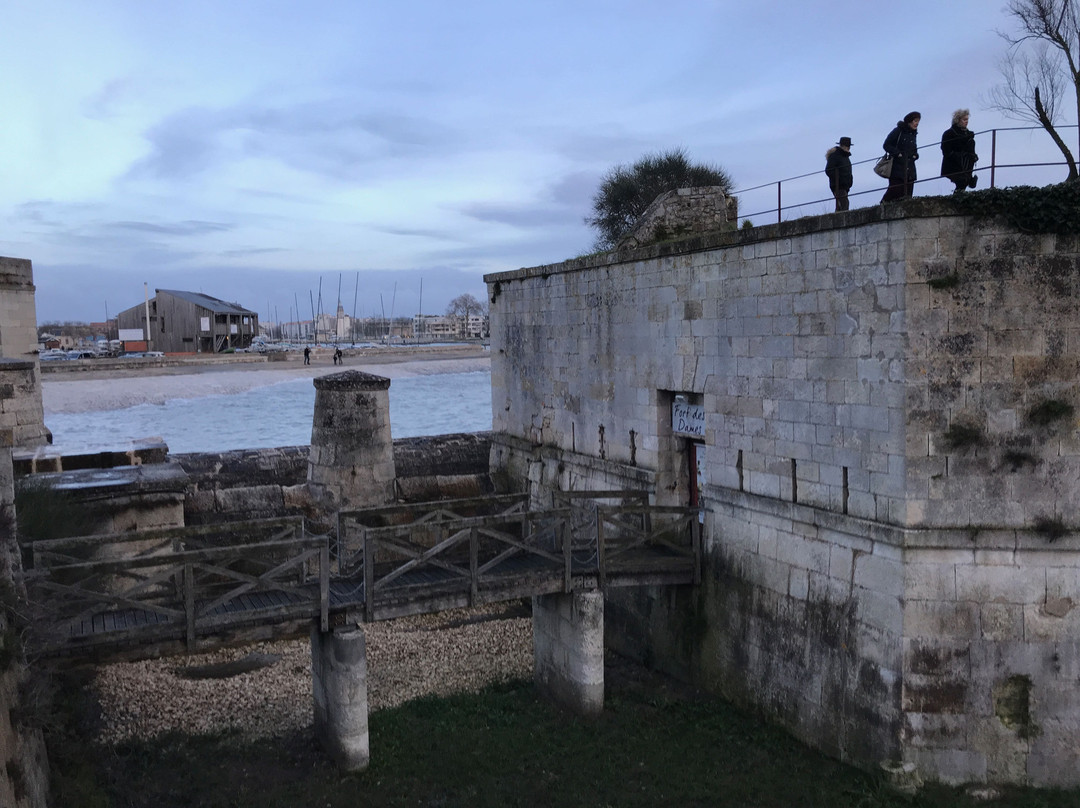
point(273, 415)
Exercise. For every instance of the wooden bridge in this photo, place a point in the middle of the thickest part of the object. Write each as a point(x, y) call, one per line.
point(148, 593)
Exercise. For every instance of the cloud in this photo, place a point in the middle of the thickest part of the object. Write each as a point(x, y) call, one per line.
point(188, 228)
point(516, 215)
point(409, 232)
point(326, 138)
point(103, 105)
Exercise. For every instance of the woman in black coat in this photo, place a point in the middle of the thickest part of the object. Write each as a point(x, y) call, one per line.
point(901, 145)
point(958, 157)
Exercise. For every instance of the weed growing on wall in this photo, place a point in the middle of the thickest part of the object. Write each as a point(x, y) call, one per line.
point(1051, 209)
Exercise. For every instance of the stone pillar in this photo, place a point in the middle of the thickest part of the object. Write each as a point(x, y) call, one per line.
point(339, 692)
point(568, 649)
point(351, 463)
point(24, 779)
point(21, 383)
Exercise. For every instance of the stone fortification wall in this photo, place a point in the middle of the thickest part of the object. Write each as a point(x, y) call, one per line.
point(879, 387)
point(21, 409)
point(24, 775)
point(267, 483)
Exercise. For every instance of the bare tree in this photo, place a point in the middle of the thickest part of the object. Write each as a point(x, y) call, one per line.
point(1041, 67)
point(463, 307)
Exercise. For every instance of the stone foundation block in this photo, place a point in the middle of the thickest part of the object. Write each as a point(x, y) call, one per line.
point(568, 649)
point(339, 692)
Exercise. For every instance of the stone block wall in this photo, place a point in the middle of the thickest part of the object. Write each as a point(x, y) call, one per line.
point(21, 407)
point(875, 384)
point(992, 656)
point(24, 773)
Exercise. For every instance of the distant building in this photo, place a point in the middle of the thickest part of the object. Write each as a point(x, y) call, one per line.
point(188, 322)
point(434, 326)
point(449, 326)
point(334, 328)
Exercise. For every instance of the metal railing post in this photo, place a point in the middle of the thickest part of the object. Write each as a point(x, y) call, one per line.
point(779, 203)
point(993, 154)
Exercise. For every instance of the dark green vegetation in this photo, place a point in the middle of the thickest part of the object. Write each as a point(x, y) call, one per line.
point(46, 512)
point(626, 191)
point(653, 746)
point(962, 436)
point(1048, 412)
point(1050, 209)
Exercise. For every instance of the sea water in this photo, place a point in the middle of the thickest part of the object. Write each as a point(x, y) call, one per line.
point(274, 415)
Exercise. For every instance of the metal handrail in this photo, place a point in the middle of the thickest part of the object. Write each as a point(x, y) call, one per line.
point(991, 168)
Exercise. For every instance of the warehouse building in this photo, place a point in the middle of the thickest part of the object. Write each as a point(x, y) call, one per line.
point(188, 322)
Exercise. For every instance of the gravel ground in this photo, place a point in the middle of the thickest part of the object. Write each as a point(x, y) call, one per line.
point(449, 652)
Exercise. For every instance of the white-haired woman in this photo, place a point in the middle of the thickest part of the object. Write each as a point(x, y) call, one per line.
point(958, 157)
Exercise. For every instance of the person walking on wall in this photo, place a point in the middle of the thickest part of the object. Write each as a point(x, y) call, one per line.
point(902, 147)
point(838, 170)
point(958, 157)
point(307, 355)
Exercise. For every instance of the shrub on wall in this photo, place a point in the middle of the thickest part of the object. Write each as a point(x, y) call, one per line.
point(1051, 209)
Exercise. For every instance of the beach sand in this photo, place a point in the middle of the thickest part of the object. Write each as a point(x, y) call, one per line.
point(95, 390)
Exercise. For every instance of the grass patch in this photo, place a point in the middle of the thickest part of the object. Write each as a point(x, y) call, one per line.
point(502, 747)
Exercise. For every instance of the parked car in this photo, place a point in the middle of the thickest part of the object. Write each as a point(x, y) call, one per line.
point(81, 353)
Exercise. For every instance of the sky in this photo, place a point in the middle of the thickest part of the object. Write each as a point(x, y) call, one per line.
point(260, 151)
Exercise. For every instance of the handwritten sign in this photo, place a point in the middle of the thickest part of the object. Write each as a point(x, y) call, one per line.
point(688, 419)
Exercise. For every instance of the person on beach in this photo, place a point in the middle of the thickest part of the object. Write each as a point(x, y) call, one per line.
point(958, 157)
point(838, 170)
point(337, 357)
point(901, 146)
point(307, 355)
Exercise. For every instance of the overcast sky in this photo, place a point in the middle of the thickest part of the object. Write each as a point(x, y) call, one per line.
point(249, 149)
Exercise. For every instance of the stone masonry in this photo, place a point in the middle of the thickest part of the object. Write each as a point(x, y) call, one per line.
point(892, 456)
point(683, 212)
point(20, 376)
point(351, 462)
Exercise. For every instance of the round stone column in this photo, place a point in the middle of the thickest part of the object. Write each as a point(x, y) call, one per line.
point(351, 462)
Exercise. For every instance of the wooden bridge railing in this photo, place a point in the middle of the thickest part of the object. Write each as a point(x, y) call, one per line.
point(464, 561)
point(77, 549)
point(422, 516)
point(637, 538)
point(160, 593)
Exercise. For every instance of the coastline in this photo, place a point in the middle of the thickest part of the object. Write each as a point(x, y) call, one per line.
point(96, 390)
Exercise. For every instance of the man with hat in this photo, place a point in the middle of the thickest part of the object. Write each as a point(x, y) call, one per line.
point(838, 170)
